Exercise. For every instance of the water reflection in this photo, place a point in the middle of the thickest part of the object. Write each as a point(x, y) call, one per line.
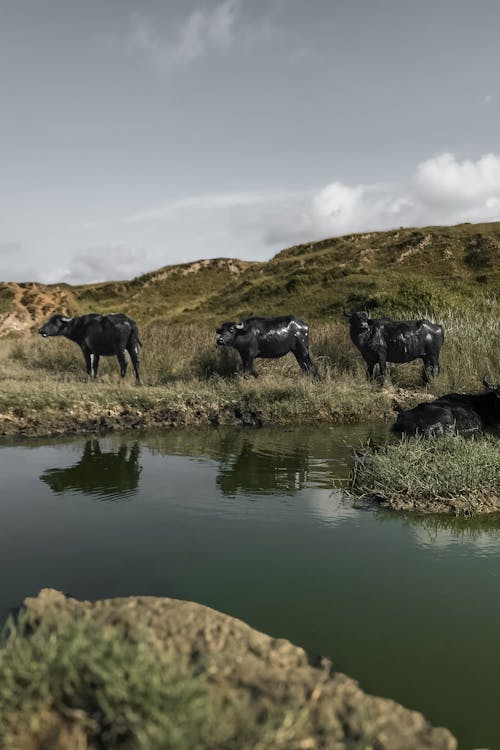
point(440, 532)
point(259, 470)
point(107, 474)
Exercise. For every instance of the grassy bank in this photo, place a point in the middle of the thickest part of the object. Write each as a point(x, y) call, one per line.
point(187, 380)
point(439, 475)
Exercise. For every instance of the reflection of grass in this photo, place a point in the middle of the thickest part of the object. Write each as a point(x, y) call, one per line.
point(457, 527)
point(450, 474)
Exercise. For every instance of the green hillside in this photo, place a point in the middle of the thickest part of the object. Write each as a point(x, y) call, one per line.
point(391, 271)
point(395, 272)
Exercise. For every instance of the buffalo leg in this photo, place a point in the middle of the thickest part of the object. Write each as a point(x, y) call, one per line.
point(123, 362)
point(86, 355)
point(431, 369)
point(247, 367)
point(382, 366)
point(305, 362)
point(133, 350)
point(94, 363)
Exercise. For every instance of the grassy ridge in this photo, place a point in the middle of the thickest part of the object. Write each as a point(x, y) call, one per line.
point(391, 272)
point(394, 272)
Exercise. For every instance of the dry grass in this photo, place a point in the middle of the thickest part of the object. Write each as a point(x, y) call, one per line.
point(184, 370)
point(437, 475)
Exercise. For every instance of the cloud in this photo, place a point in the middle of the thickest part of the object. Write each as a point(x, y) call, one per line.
point(202, 31)
point(488, 98)
point(103, 263)
point(451, 183)
point(442, 190)
point(254, 224)
point(209, 201)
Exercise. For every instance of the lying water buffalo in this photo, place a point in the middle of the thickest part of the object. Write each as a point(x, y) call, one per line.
point(454, 412)
point(381, 340)
point(269, 338)
point(99, 335)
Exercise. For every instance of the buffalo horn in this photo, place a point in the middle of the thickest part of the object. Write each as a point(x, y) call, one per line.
point(239, 326)
point(489, 386)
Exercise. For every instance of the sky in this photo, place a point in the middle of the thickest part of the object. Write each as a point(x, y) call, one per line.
point(135, 135)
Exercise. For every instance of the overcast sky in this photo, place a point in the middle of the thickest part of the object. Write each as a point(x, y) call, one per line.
point(139, 134)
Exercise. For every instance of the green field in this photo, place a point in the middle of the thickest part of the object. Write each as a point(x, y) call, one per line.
point(448, 274)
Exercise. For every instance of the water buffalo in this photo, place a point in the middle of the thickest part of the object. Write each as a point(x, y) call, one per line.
point(381, 340)
point(454, 412)
point(269, 338)
point(99, 335)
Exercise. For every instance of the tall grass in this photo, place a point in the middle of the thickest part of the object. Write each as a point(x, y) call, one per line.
point(181, 365)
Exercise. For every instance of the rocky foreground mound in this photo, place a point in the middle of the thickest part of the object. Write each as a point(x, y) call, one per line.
point(228, 686)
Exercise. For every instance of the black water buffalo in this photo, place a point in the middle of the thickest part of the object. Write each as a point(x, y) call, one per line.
point(99, 335)
point(269, 338)
point(381, 340)
point(454, 412)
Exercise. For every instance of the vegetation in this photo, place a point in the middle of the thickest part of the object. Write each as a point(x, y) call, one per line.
point(148, 673)
point(391, 272)
point(188, 379)
point(112, 688)
point(446, 474)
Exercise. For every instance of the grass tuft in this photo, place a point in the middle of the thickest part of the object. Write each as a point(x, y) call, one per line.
point(446, 474)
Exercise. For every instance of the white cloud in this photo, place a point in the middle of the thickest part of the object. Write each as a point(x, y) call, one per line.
point(488, 98)
point(255, 224)
point(209, 201)
point(442, 190)
point(451, 183)
point(199, 33)
point(106, 263)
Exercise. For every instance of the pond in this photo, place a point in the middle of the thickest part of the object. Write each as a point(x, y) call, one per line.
point(247, 521)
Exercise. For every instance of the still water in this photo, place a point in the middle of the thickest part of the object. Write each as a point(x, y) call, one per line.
point(246, 521)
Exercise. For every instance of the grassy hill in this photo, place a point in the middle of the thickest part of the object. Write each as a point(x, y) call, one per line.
point(394, 272)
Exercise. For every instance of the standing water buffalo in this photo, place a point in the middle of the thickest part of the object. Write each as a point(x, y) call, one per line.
point(269, 338)
point(381, 340)
point(454, 412)
point(99, 335)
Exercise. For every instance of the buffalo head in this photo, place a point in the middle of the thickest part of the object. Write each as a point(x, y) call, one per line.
point(358, 321)
point(227, 333)
point(55, 326)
